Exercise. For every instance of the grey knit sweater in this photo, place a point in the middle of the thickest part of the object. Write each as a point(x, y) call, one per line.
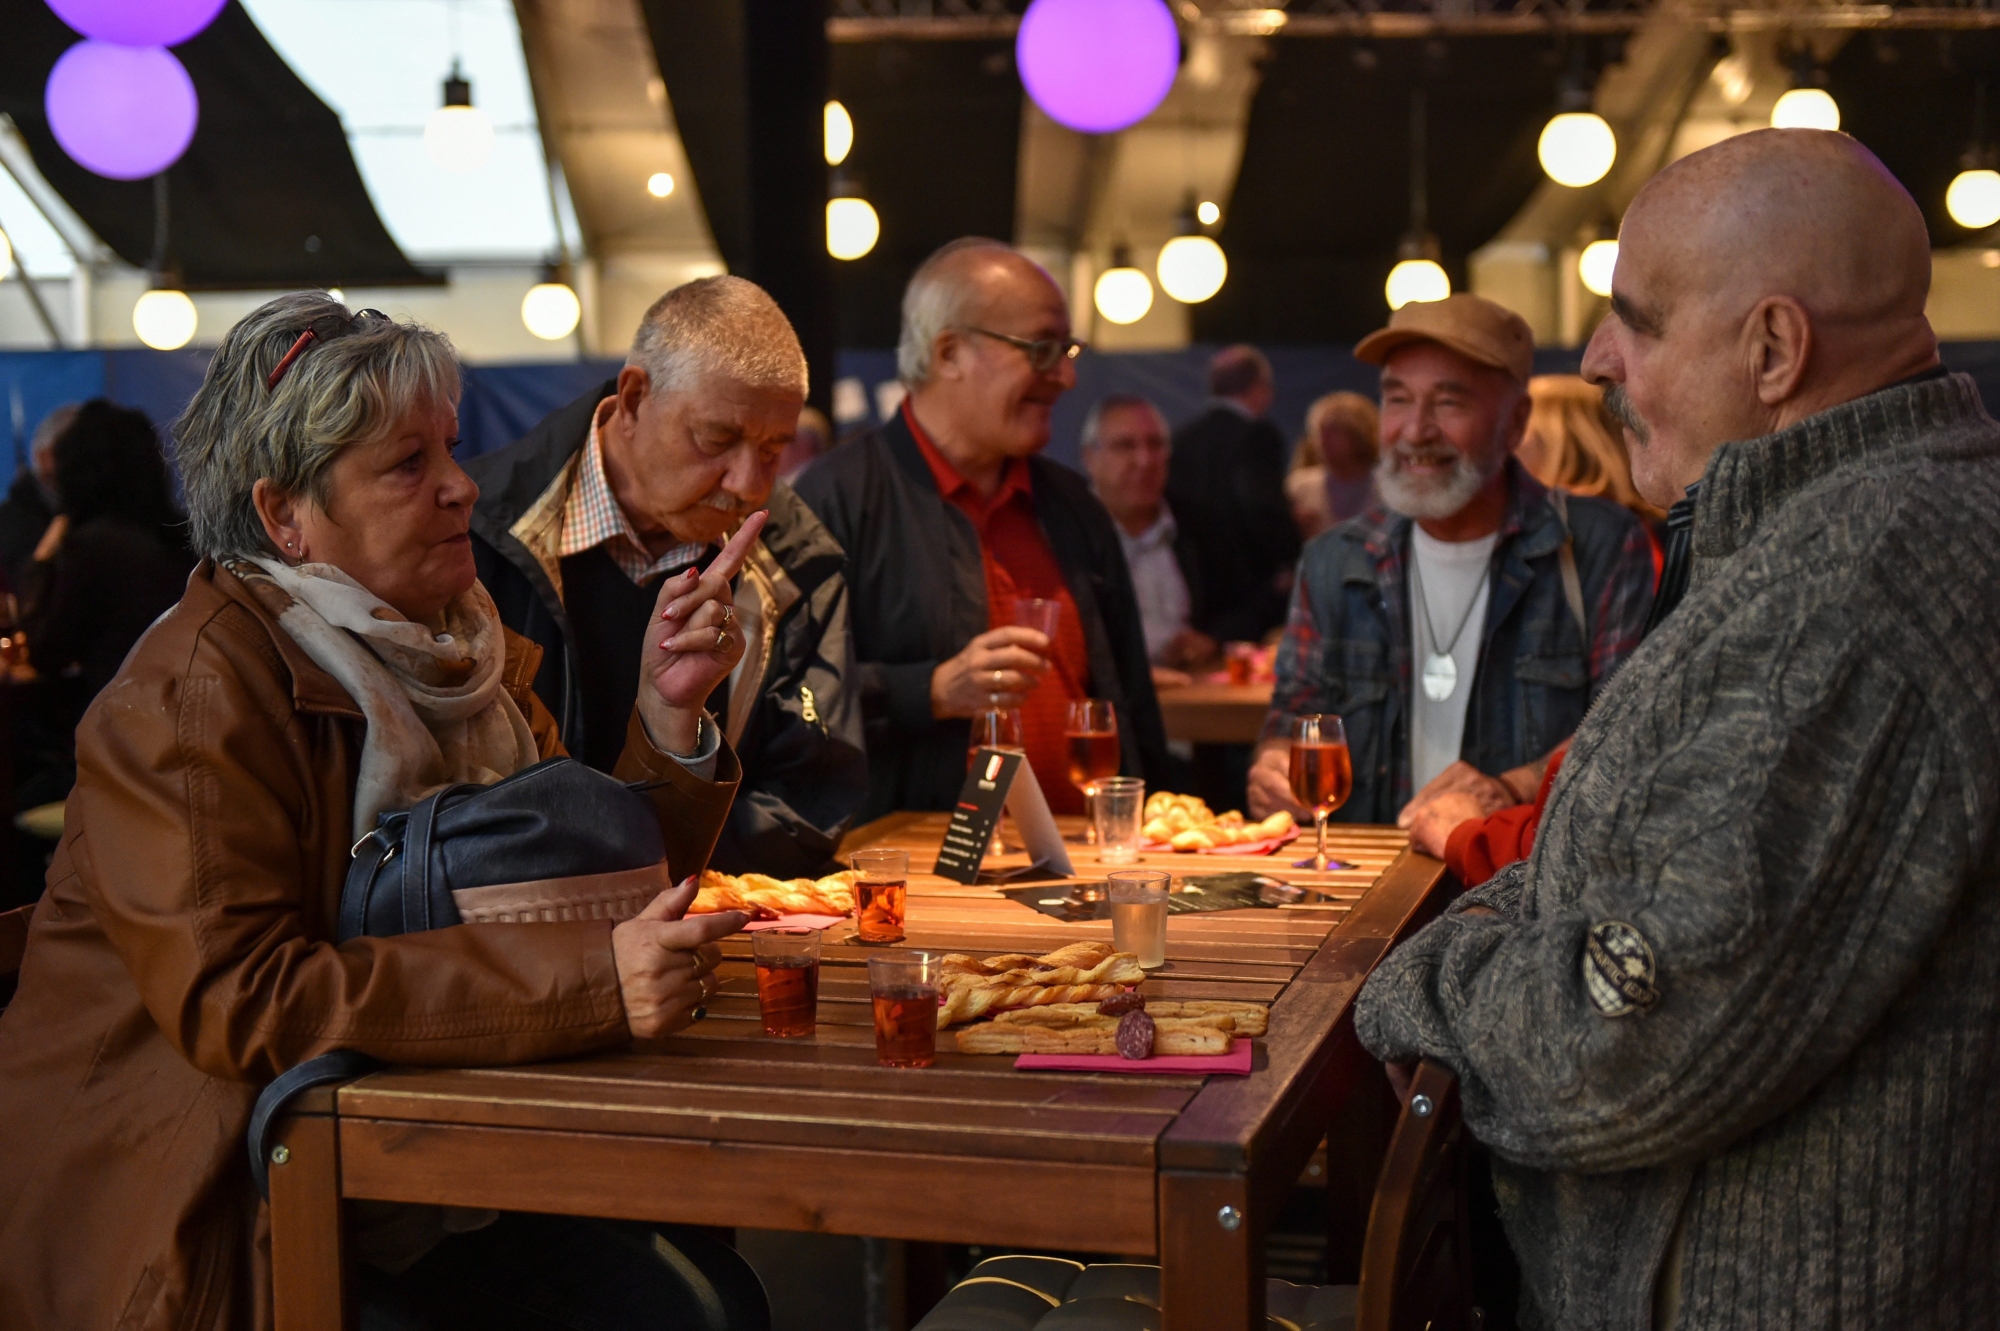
point(1749, 982)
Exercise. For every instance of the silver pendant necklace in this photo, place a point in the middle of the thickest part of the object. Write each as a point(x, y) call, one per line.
point(1440, 675)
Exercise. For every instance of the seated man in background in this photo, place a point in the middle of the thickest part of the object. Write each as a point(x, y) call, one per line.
point(1227, 486)
point(1462, 634)
point(641, 479)
point(949, 515)
point(1729, 1032)
point(31, 502)
point(1125, 453)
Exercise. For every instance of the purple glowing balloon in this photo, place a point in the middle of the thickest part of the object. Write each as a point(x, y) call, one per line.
point(1097, 66)
point(126, 112)
point(138, 22)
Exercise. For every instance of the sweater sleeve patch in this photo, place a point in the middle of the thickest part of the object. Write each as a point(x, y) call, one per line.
point(1618, 969)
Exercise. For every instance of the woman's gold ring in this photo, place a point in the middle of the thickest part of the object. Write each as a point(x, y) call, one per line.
point(722, 640)
point(728, 615)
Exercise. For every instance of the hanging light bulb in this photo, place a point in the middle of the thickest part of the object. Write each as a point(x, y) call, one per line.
point(659, 184)
point(1806, 108)
point(1973, 200)
point(1577, 148)
point(458, 136)
point(1208, 212)
point(839, 134)
point(1192, 268)
point(1122, 294)
point(1595, 266)
point(852, 226)
point(1414, 280)
point(551, 310)
point(164, 320)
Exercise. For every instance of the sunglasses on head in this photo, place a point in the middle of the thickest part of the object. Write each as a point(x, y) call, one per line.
point(323, 329)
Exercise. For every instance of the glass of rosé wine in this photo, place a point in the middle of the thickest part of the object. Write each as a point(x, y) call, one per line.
point(1091, 729)
point(1322, 775)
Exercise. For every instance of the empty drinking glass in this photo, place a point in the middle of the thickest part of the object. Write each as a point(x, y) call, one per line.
point(1120, 800)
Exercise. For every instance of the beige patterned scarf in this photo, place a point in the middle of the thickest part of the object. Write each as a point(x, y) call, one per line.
point(436, 712)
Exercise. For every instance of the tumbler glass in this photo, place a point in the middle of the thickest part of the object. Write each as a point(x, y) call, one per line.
point(879, 894)
point(1092, 731)
point(787, 979)
point(1139, 913)
point(1120, 801)
point(903, 986)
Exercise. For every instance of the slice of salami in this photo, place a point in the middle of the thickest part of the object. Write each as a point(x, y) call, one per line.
point(1135, 1035)
point(1119, 1004)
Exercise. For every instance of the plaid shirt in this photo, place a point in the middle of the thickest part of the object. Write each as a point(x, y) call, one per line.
point(1346, 647)
point(591, 517)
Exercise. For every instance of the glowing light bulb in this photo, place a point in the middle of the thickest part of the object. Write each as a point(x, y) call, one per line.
point(852, 227)
point(839, 134)
point(164, 320)
point(458, 139)
point(336, 295)
point(1416, 280)
point(1207, 212)
point(1806, 108)
point(1577, 148)
point(1974, 199)
point(1123, 295)
point(1595, 265)
point(1192, 268)
point(551, 310)
point(659, 184)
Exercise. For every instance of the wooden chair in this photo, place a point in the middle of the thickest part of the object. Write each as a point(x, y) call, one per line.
point(13, 946)
point(1416, 1265)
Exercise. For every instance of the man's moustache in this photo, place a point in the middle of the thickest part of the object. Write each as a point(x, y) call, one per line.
point(1619, 407)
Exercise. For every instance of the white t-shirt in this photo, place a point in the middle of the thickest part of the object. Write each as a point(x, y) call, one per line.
point(1456, 577)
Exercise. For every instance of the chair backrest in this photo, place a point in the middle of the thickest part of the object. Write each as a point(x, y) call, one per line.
point(1416, 1266)
point(13, 946)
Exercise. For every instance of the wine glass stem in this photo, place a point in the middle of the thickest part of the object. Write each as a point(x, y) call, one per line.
point(1089, 815)
point(1319, 822)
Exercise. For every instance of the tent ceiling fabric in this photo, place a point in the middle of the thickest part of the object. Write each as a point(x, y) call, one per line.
point(937, 128)
point(266, 196)
point(1323, 195)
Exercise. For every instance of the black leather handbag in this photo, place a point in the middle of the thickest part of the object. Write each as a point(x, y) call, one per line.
point(557, 819)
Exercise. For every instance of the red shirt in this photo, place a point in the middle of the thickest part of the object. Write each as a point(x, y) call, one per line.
point(1478, 848)
point(1019, 563)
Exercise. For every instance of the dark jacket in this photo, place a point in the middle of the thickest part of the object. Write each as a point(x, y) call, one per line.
point(798, 735)
point(920, 597)
point(1226, 484)
point(109, 580)
point(1347, 646)
point(24, 515)
point(1734, 1019)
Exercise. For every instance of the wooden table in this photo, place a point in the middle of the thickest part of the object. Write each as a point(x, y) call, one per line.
point(720, 1125)
point(1216, 713)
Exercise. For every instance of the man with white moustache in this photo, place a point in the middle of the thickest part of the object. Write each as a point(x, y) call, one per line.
point(1461, 630)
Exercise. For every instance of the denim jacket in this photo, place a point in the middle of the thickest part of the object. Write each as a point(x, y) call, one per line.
point(1346, 647)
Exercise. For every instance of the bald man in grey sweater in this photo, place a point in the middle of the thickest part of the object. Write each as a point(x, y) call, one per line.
point(1733, 1032)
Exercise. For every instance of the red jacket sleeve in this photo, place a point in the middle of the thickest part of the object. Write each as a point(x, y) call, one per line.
point(1478, 848)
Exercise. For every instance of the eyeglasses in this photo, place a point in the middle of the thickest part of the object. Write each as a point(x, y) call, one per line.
point(1043, 355)
point(323, 329)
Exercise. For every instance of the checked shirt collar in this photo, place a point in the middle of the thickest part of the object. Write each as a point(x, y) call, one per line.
point(591, 517)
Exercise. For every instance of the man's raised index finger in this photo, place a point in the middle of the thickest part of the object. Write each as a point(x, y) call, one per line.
point(737, 552)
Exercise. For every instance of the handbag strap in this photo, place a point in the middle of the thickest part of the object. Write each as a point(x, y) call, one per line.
point(338, 1065)
point(417, 863)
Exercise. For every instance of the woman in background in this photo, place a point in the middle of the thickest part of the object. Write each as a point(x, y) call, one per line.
point(1333, 468)
point(1573, 444)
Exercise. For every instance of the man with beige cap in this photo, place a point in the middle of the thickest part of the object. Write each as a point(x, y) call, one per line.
point(1461, 630)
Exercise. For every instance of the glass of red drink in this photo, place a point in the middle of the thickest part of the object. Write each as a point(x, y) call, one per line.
point(903, 987)
point(1322, 773)
point(787, 979)
point(879, 894)
point(1092, 731)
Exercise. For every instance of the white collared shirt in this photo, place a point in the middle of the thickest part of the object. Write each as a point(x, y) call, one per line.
point(1162, 592)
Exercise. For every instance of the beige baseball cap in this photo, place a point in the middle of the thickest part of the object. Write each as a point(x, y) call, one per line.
point(1473, 326)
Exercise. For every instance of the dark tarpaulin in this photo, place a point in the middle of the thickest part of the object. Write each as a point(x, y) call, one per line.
point(267, 195)
point(1323, 194)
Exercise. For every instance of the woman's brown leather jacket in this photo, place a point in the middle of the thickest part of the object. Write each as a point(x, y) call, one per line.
point(182, 955)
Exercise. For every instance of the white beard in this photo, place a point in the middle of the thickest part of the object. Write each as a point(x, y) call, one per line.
point(1439, 498)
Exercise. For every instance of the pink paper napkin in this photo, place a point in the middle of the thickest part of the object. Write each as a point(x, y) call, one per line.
point(1236, 1062)
point(796, 922)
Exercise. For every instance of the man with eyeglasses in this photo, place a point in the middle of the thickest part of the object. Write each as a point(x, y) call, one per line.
point(950, 518)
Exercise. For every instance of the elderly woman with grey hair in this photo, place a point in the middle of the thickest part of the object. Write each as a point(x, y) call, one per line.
point(333, 657)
